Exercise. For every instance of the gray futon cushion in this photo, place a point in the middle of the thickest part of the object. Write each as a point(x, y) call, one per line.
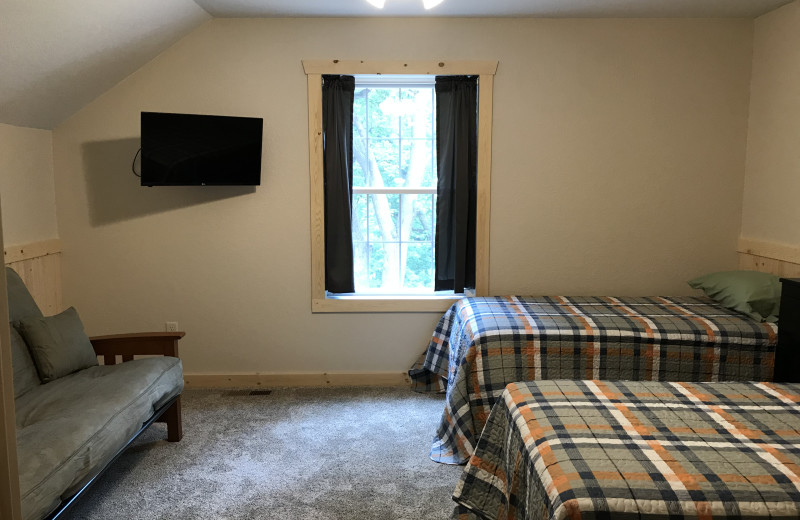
point(25, 376)
point(20, 301)
point(69, 428)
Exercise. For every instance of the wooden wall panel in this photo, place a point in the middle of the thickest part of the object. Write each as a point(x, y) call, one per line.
point(777, 259)
point(769, 265)
point(39, 266)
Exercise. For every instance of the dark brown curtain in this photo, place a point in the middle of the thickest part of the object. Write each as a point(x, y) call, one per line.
point(456, 206)
point(337, 151)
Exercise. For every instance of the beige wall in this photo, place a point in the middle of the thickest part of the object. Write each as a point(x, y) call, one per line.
point(26, 184)
point(618, 165)
point(772, 180)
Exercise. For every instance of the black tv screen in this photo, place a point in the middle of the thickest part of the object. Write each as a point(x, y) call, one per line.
point(200, 150)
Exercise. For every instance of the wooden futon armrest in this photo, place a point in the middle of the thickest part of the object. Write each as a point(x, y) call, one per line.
point(136, 344)
point(145, 344)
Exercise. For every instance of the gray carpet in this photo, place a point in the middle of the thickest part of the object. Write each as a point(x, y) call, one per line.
point(325, 453)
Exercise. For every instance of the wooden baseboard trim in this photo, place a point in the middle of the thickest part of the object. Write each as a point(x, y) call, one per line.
point(19, 253)
point(773, 250)
point(296, 380)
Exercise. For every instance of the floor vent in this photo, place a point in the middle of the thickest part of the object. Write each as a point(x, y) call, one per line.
point(243, 393)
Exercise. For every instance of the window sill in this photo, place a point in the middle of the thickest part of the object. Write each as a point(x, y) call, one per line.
point(370, 303)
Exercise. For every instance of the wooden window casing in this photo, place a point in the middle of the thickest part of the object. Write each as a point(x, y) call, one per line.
point(314, 70)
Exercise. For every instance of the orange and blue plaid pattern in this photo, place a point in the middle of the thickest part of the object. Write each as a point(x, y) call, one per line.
point(591, 450)
point(482, 344)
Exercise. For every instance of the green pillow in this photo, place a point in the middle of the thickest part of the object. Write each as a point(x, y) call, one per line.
point(58, 344)
point(756, 294)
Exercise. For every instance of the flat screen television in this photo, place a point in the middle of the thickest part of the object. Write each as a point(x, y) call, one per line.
point(200, 150)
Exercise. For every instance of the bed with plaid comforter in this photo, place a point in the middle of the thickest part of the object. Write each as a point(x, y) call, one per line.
point(590, 450)
point(482, 344)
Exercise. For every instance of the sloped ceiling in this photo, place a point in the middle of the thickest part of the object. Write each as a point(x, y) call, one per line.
point(58, 55)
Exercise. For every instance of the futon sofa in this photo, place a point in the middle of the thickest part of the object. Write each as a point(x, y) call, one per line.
point(74, 416)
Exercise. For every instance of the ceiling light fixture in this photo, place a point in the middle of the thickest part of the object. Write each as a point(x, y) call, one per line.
point(427, 4)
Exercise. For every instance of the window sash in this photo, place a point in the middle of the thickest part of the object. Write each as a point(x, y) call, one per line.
point(390, 265)
point(390, 190)
point(400, 140)
point(397, 247)
point(394, 81)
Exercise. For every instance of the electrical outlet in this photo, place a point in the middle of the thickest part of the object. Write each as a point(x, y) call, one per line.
point(172, 326)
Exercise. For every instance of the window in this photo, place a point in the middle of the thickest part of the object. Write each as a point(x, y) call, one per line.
point(394, 184)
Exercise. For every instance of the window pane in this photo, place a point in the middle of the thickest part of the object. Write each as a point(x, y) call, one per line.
point(386, 156)
point(382, 117)
point(360, 265)
point(383, 266)
point(421, 228)
point(360, 162)
point(360, 112)
point(417, 112)
point(380, 261)
point(419, 266)
point(359, 216)
point(377, 259)
point(383, 215)
point(416, 163)
point(386, 120)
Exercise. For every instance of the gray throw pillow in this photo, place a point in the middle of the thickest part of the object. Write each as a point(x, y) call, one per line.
point(58, 344)
point(25, 376)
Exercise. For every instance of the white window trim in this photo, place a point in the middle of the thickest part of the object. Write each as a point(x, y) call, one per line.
point(314, 70)
point(390, 190)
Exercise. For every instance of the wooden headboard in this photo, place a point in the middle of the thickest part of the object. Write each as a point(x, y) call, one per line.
point(39, 266)
point(768, 257)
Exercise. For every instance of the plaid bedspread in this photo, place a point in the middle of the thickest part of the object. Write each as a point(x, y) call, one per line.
point(482, 344)
point(637, 450)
